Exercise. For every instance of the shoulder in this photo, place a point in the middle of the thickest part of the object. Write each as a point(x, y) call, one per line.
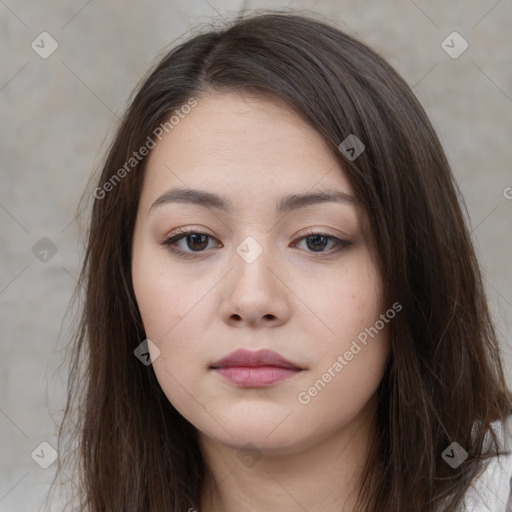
point(491, 492)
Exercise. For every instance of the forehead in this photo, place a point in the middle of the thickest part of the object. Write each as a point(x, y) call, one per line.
point(243, 146)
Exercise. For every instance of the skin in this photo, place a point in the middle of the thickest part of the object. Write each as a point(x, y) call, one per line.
point(302, 300)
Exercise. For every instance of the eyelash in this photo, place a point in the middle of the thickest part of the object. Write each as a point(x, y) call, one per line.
point(170, 242)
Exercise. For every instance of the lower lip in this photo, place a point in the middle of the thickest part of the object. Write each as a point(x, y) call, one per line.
point(256, 376)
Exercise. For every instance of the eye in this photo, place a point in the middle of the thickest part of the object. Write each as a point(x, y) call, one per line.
point(196, 241)
point(317, 241)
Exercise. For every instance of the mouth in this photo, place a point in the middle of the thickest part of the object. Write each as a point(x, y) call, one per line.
point(255, 369)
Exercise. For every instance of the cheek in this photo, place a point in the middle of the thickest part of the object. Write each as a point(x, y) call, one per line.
point(346, 302)
point(159, 304)
point(164, 296)
point(351, 359)
point(350, 362)
point(175, 308)
point(168, 304)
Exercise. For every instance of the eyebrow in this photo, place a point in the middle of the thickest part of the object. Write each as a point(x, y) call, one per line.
point(285, 204)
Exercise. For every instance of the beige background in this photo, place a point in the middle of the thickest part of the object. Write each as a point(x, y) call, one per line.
point(57, 114)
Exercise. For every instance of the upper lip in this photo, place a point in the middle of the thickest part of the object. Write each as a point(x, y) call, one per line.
point(259, 358)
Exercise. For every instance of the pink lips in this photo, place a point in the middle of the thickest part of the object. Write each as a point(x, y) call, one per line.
point(255, 369)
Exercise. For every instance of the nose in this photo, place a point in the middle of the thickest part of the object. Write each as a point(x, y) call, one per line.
point(255, 293)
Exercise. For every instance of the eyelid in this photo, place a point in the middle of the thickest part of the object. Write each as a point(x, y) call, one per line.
point(320, 231)
point(188, 230)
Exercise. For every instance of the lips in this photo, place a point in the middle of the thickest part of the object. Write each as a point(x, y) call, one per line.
point(245, 358)
point(255, 369)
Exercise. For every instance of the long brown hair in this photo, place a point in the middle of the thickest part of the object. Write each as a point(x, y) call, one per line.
point(444, 382)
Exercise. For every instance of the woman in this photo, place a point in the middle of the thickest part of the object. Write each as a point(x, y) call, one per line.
point(283, 309)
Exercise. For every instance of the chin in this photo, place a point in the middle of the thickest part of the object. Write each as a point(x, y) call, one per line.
point(258, 443)
point(263, 437)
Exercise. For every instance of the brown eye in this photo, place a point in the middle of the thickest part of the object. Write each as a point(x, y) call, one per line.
point(195, 242)
point(317, 242)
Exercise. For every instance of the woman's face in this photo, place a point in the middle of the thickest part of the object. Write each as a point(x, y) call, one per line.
point(273, 266)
